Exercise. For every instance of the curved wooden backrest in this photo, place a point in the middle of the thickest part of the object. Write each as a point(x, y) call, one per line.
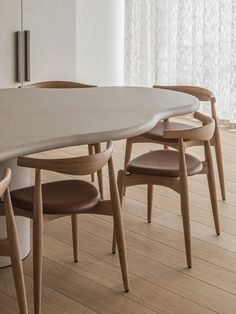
point(74, 166)
point(5, 180)
point(58, 84)
point(202, 133)
point(201, 93)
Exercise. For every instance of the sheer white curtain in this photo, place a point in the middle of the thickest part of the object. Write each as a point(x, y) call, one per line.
point(183, 42)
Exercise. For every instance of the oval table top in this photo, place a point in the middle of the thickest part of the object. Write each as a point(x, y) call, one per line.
point(34, 120)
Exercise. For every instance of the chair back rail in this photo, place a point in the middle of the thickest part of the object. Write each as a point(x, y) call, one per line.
point(59, 84)
point(202, 133)
point(5, 180)
point(82, 165)
point(201, 93)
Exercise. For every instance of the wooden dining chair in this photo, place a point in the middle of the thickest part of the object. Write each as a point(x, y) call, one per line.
point(171, 168)
point(49, 201)
point(9, 246)
point(156, 134)
point(67, 84)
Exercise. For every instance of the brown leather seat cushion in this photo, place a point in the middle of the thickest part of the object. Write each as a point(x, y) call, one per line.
point(61, 197)
point(157, 132)
point(163, 163)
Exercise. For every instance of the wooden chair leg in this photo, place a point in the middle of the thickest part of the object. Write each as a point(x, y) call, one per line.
point(75, 236)
point(128, 152)
point(17, 268)
point(184, 197)
point(166, 121)
point(117, 217)
point(97, 148)
point(212, 187)
point(186, 224)
point(114, 241)
point(90, 151)
point(37, 245)
point(120, 184)
point(219, 161)
point(150, 202)
point(37, 265)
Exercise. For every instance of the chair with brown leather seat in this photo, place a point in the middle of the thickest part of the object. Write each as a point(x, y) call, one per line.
point(171, 168)
point(49, 201)
point(156, 134)
point(9, 246)
point(67, 84)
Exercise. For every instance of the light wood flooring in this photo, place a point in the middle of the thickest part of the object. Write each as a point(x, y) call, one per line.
point(159, 280)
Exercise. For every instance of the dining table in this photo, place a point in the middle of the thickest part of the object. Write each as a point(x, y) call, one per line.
point(37, 120)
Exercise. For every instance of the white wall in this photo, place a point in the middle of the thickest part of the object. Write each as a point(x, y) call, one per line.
point(100, 41)
point(53, 38)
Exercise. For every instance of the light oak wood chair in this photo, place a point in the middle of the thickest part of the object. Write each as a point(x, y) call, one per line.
point(67, 84)
point(156, 134)
point(171, 168)
point(49, 201)
point(10, 246)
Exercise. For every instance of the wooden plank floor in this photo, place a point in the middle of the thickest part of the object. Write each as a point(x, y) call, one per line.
point(159, 280)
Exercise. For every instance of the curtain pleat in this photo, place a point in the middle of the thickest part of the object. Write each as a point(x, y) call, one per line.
point(190, 42)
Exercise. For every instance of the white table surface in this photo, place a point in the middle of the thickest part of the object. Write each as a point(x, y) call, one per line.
point(33, 120)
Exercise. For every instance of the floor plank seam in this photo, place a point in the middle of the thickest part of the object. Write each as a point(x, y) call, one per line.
point(122, 294)
point(154, 283)
point(180, 232)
